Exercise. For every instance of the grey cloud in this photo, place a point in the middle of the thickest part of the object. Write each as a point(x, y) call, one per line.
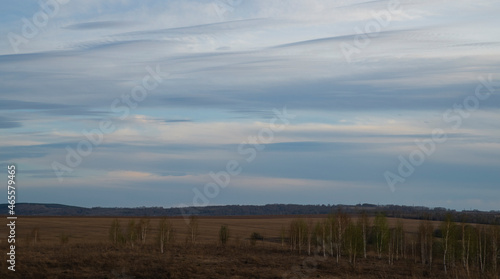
point(51, 109)
point(244, 69)
point(204, 29)
point(98, 25)
point(20, 105)
point(78, 111)
point(176, 120)
point(9, 123)
point(192, 80)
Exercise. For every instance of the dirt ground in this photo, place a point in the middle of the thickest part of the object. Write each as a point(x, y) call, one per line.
point(88, 253)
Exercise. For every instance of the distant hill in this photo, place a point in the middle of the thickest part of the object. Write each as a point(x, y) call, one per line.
point(413, 212)
point(41, 209)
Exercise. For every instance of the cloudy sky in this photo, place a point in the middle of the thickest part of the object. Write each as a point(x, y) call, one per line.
point(208, 102)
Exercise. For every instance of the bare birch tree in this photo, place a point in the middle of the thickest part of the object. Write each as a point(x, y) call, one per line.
point(381, 230)
point(142, 229)
point(364, 223)
point(165, 233)
point(448, 233)
point(193, 228)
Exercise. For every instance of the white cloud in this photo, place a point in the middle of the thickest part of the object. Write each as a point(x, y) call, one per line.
point(226, 73)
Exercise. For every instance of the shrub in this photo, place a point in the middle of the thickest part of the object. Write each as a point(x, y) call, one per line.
point(223, 234)
point(254, 237)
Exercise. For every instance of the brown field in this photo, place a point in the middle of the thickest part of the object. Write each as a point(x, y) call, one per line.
point(89, 253)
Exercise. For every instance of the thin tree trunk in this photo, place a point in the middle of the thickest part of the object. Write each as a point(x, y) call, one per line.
point(446, 242)
point(494, 249)
point(364, 240)
point(467, 255)
point(331, 239)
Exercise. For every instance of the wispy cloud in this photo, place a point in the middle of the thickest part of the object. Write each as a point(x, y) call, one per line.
point(227, 71)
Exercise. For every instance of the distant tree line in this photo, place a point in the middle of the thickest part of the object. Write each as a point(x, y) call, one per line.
point(397, 211)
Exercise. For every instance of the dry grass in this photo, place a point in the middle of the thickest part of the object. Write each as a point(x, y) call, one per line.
point(89, 254)
point(95, 229)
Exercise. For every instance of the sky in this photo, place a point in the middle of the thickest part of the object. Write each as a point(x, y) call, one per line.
point(214, 102)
